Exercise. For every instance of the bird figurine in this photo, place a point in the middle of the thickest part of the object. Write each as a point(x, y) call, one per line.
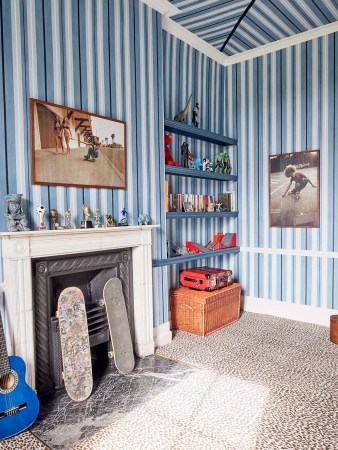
point(86, 212)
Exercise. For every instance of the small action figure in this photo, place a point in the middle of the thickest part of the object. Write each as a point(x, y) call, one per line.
point(185, 155)
point(207, 165)
point(123, 222)
point(195, 115)
point(110, 221)
point(198, 163)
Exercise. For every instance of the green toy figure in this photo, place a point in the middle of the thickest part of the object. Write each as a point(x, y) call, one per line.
point(222, 163)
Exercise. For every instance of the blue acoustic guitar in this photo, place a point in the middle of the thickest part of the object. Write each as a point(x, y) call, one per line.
point(19, 405)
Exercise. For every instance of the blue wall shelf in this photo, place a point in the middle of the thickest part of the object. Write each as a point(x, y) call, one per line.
point(200, 215)
point(193, 257)
point(197, 133)
point(193, 173)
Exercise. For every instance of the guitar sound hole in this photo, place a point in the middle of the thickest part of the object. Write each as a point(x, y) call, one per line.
point(8, 382)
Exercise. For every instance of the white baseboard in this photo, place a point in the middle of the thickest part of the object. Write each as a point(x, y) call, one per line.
point(162, 335)
point(302, 313)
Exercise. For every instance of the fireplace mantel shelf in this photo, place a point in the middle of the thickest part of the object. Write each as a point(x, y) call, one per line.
point(76, 231)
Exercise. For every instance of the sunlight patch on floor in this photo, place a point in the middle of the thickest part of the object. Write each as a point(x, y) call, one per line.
point(206, 410)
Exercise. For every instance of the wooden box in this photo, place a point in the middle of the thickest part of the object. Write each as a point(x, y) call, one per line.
point(334, 329)
point(201, 312)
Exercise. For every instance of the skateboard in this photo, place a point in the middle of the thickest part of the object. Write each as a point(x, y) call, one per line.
point(296, 195)
point(118, 326)
point(88, 159)
point(75, 347)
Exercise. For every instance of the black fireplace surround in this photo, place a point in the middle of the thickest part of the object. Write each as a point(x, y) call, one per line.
point(89, 272)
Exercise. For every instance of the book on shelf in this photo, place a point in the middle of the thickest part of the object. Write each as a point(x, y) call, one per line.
point(197, 202)
point(228, 200)
point(166, 195)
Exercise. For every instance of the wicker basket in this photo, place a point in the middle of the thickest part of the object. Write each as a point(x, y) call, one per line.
point(201, 312)
point(334, 329)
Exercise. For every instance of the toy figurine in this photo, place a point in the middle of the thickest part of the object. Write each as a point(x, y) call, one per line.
point(123, 222)
point(16, 219)
point(219, 207)
point(144, 219)
point(180, 117)
point(167, 155)
point(222, 163)
point(207, 165)
point(110, 221)
point(198, 163)
point(185, 155)
point(195, 115)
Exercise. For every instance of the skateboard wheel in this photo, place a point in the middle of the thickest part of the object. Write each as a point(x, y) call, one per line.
point(110, 355)
point(101, 302)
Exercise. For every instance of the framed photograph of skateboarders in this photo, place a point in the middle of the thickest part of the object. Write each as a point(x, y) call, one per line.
point(294, 190)
point(70, 147)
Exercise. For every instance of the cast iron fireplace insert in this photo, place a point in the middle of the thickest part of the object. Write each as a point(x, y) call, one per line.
point(89, 272)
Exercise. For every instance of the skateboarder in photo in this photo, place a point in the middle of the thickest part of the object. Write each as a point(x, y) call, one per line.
point(299, 178)
point(94, 150)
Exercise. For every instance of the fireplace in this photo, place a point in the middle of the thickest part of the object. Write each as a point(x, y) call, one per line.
point(22, 252)
point(88, 272)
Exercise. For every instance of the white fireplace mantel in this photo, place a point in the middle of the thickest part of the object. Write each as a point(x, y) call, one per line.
point(18, 250)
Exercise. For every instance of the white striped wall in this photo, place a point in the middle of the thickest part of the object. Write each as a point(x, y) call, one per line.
point(293, 93)
point(102, 56)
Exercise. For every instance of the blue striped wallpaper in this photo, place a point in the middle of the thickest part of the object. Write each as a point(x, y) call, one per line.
point(282, 102)
point(287, 101)
point(102, 56)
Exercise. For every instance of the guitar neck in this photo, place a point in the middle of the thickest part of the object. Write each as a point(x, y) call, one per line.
point(5, 368)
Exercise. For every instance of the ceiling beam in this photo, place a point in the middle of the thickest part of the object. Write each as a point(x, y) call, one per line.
point(199, 44)
point(237, 24)
point(190, 38)
point(163, 6)
point(282, 43)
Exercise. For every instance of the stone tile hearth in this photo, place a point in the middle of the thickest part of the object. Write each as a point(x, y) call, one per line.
point(63, 423)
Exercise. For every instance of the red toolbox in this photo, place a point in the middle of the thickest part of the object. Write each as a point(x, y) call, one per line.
point(224, 276)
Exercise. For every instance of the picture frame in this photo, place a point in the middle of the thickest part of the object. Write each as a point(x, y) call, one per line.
point(70, 147)
point(294, 189)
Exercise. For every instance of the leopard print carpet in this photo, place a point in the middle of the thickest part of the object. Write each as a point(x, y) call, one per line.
point(23, 441)
point(263, 383)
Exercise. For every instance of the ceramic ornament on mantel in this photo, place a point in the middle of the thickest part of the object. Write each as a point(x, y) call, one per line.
point(16, 219)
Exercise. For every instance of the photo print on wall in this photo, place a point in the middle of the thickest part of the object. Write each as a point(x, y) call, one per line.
point(294, 189)
point(70, 147)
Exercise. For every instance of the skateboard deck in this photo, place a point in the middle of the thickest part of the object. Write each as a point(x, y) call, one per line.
point(119, 326)
point(75, 347)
